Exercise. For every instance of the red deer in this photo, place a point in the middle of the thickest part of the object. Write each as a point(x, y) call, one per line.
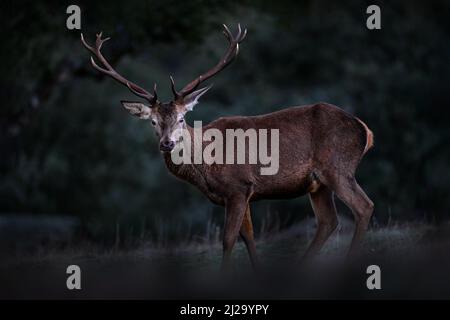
point(320, 148)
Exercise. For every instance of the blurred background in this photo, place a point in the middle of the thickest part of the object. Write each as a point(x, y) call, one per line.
point(75, 165)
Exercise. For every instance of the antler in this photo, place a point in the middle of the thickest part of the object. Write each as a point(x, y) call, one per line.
point(229, 56)
point(108, 70)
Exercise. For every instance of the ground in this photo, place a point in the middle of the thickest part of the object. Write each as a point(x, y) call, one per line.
point(414, 259)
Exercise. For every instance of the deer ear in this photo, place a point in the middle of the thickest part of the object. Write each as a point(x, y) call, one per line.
point(192, 99)
point(137, 109)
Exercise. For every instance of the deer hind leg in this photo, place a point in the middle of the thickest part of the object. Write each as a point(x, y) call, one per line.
point(247, 235)
point(348, 190)
point(322, 202)
point(235, 209)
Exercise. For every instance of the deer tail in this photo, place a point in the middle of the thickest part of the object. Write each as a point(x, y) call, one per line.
point(369, 136)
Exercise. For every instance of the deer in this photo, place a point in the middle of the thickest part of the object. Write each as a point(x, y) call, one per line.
point(320, 148)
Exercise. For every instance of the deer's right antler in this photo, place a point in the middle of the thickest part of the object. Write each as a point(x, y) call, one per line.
point(228, 57)
point(109, 70)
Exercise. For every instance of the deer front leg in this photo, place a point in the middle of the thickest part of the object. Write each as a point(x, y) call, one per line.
point(235, 209)
point(247, 235)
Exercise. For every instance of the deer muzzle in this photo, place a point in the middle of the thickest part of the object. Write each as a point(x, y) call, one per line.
point(166, 145)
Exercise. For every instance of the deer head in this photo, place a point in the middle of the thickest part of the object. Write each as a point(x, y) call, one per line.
point(166, 117)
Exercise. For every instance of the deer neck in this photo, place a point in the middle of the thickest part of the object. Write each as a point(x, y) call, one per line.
point(193, 173)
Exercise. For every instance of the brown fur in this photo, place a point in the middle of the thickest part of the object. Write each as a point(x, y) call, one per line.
point(320, 145)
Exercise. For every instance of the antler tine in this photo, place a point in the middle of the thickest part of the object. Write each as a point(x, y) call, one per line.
point(243, 35)
point(108, 70)
point(99, 41)
point(176, 94)
point(96, 66)
point(85, 44)
point(238, 38)
point(155, 94)
point(227, 32)
point(228, 57)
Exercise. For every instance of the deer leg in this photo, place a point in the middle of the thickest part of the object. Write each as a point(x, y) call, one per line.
point(247, 235)
point(322, 202)
point(348, 190)
point(235, 210)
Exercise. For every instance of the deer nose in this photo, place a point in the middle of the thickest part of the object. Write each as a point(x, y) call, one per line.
point(167, 145)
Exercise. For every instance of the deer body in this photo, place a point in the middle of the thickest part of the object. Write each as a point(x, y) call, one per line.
point(320, 147)
point(311, 138)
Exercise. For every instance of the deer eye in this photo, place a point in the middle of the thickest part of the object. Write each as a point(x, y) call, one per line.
point(181, 120)
point(153, 122)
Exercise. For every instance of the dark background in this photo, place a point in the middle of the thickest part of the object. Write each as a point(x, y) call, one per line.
point(68, 150)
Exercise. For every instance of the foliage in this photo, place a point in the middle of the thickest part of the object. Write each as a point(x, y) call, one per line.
point(67, 146)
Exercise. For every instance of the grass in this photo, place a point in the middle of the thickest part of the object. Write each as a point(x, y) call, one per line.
point(195, 264)
point(281, 244)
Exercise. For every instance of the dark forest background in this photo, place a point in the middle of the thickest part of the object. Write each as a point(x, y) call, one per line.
point(67, 148)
